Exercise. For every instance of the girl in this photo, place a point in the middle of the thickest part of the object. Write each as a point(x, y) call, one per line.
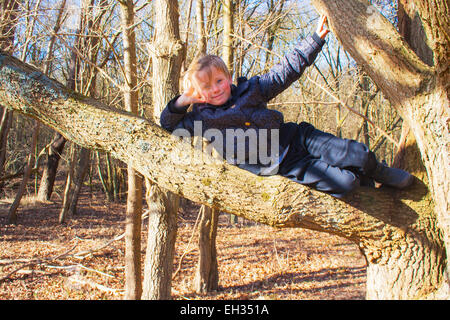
point(243, 125)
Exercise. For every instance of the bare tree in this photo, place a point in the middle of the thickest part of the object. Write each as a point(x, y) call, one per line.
point(227, 51)
point(207, 274)
point(167, 57)
point(12, 213)
point(8, 15)
point(133, 282)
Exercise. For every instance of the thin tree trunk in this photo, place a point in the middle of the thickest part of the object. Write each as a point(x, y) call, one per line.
point(227, 51)
point(207, 273)
point(12, 213)
point(68, 192)
point(7, 116)
point(201, 42)
point(90, 46)
point(206, 276)
point(8, 15)
point(81, 169)
point(162, 231)
point(168, 55)
point(49, 174)
point(74, 80)
point(133, 282)
point(227, 34)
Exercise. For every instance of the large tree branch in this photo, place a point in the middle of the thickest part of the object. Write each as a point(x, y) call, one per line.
point(366, 217)
point(376, 46)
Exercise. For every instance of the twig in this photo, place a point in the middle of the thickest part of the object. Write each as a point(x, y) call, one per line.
point(93, 284)
point(39, 261)
point(355, 112)
point(34, 262)
point(187, 247)
point(84, 254)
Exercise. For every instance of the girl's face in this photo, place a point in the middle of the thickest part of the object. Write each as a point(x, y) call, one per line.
point(214, 86)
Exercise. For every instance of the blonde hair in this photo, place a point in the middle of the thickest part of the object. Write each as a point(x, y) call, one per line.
point(203, 63)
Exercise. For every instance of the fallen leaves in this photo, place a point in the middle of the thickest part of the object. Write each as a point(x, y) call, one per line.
point(84, 259)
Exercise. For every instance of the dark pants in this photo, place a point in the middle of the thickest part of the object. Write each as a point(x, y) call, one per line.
point(324, 161)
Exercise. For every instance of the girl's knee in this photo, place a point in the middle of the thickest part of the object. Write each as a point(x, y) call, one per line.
point(346, 183)
point(350, 182)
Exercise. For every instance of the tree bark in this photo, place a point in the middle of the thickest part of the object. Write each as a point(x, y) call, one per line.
point(133, 279)
point(57, 145)
point(162, 233)
point(227, 34)
point(207, 273)
point(396, 230)
point(49, 174)
point(167, 58)
point(8, 15)
point(12, 213)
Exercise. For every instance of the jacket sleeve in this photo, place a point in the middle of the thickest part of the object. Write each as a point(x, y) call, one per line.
point(292, 66)
point(171, 116)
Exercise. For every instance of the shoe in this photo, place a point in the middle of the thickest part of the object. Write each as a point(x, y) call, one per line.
point(392, 177)
point(365, 181)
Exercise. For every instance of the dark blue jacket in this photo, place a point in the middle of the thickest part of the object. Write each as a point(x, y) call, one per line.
point(247, 107)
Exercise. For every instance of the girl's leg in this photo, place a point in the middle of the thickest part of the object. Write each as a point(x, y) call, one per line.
point(352, 155)
point(337, 152)
point(321, 176)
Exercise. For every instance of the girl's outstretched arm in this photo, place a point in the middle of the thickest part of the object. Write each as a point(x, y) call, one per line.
point(292, 66)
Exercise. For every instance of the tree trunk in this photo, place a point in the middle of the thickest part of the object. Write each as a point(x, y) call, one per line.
point(227, 34)
point(7, 116)
point(68, 191)
point(207, 273)
point(80, 171)
point(388, 225)
point(133, 282)
point(419, 94)
point(206, 276)
point(8, 15)
point(167, 57)
point(162, 232)
point(57, 145)
point(49, 174)
point(201, 42)
point(227, 51)
point(12, 213)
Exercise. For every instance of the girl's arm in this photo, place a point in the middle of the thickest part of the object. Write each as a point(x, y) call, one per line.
point(292, 66)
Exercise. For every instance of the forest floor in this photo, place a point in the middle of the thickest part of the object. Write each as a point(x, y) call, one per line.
point(80, 260)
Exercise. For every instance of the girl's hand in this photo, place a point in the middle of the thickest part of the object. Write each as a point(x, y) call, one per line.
point(322, 29)
point(189, 96)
